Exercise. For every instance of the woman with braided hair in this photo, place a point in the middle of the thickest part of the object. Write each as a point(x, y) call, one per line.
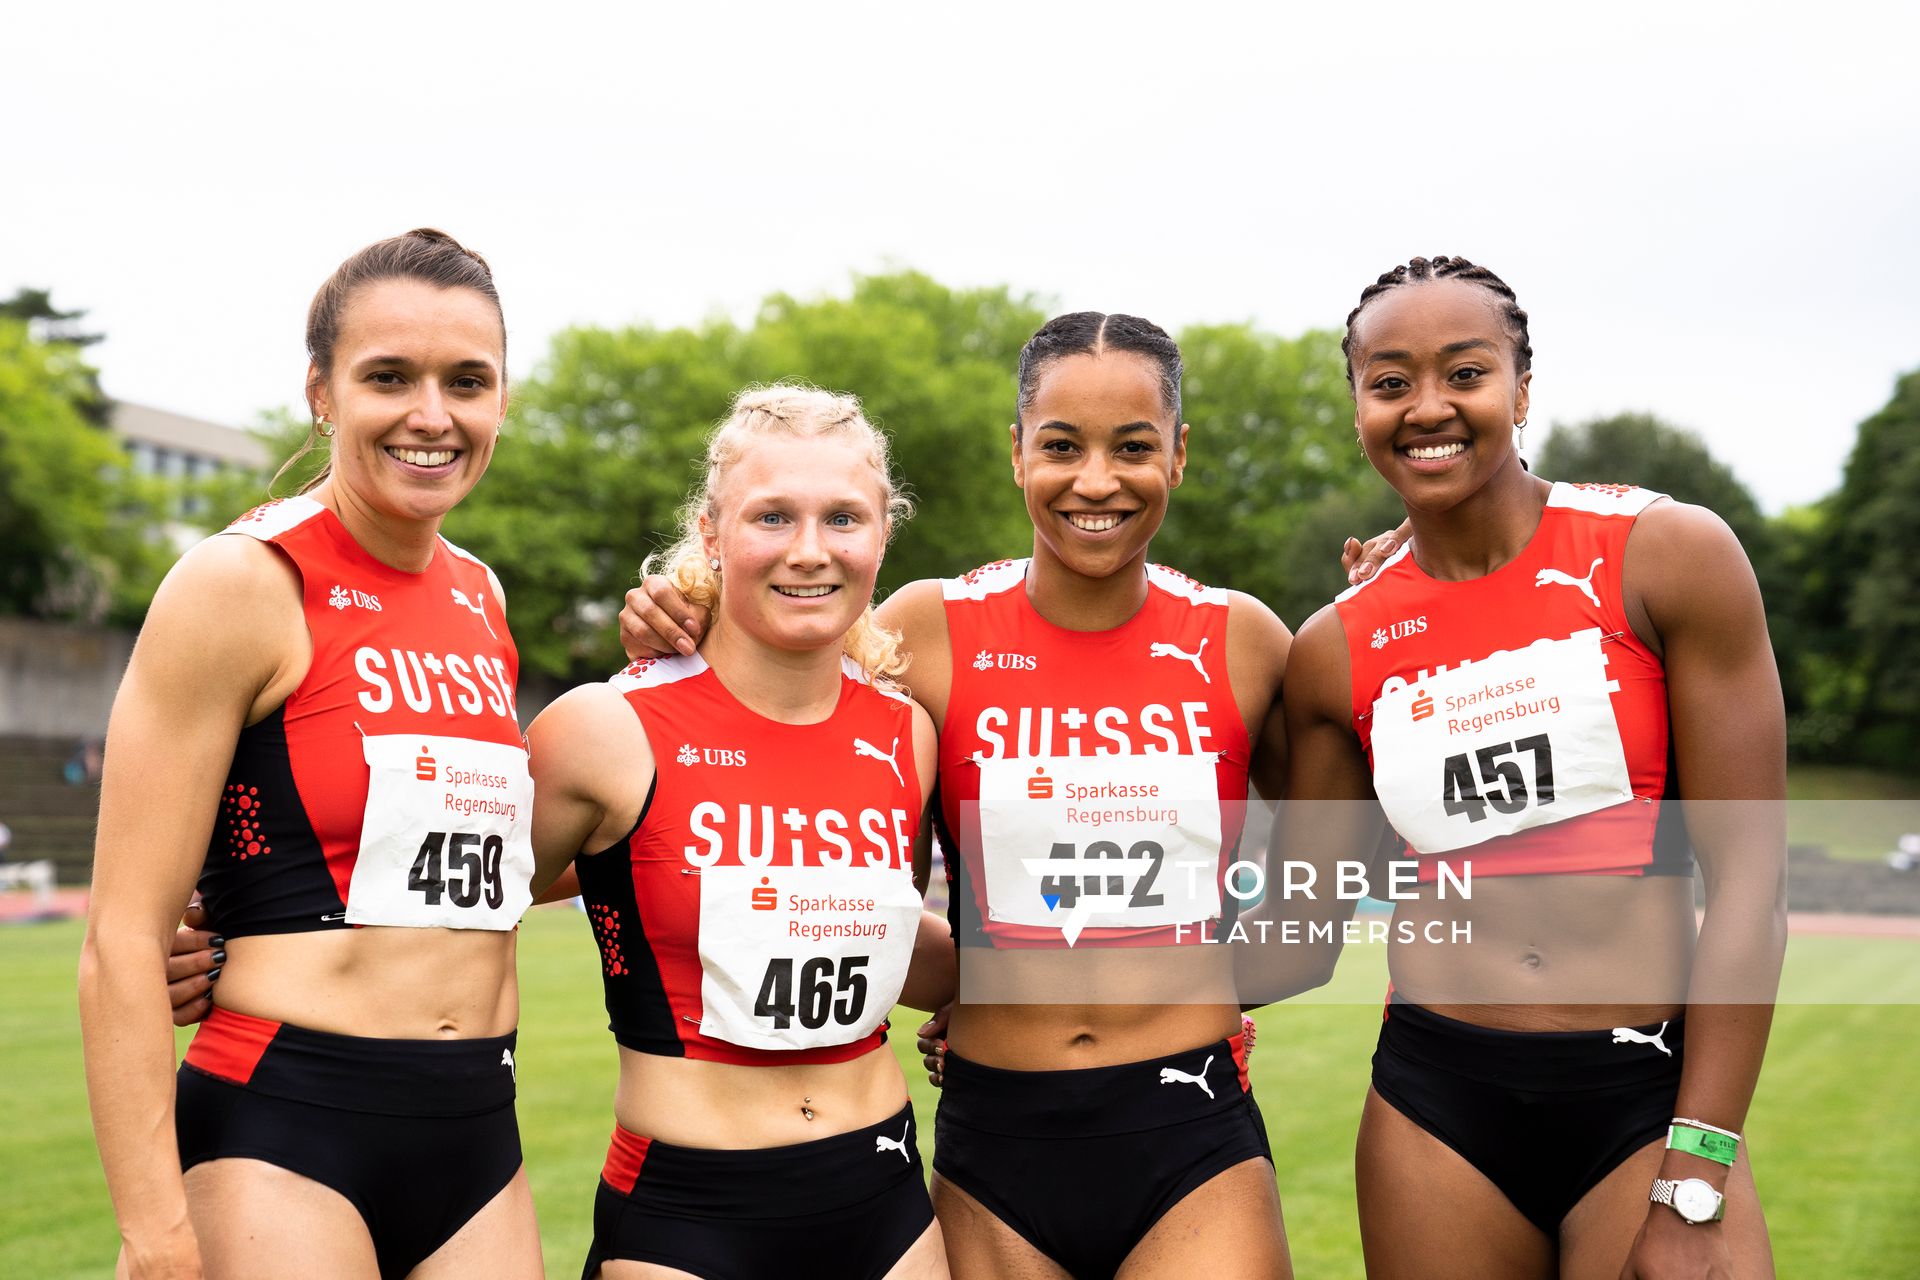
point(1112, 1131)
point(1528, 688)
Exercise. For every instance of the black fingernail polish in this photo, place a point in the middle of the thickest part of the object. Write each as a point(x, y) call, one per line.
point(219, 942)
point(219, 957)
point(213, 975)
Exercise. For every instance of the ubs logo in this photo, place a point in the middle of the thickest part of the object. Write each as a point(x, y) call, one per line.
point(722, 757)
point(345, 598)
point(987, 660)
point(1399, 631)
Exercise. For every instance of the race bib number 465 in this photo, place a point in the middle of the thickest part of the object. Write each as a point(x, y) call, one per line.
point(803, 957)
point(445, 840)
point(1071, 842)
point(1514, 741)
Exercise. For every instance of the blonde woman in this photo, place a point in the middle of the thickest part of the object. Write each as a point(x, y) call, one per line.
point(745, 816)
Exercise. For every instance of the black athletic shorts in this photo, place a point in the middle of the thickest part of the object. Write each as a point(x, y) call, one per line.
point(841, 1208)
point(1543, 1115)
point(418, 1135)
point(1083, 1163)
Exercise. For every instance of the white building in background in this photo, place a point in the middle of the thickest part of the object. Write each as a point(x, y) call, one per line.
point(172, 444)
point(176, 447)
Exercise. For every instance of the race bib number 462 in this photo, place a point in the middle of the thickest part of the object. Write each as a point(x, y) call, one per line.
point(1071, 842)
point(445, 842)
point(1511, 742)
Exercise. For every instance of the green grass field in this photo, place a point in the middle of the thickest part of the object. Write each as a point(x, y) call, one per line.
point(1853, 813)
point(1835, 1129)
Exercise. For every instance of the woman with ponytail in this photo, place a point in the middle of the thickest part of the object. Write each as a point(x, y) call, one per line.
point(307, 691)
point(1096, 1113)
point(744, 816)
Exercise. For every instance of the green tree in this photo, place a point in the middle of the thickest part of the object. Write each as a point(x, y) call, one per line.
point(1638, 448)
point(1273, 482)
point(48, 324)
point(1862, 603)
point(78, 534)
point(604, 441)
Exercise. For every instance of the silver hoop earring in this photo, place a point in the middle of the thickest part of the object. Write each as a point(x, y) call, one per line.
point(714, 564)
point(323, 428)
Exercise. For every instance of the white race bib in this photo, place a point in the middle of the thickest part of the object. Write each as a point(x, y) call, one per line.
point(1514, 741)
point(445, 842)
point(1115, 841)
point(803, 957)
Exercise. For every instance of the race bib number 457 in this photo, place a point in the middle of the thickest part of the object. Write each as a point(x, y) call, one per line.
point(1514, 741)
point(1071, 842)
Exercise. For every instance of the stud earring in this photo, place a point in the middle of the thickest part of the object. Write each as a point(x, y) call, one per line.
point(714, 564)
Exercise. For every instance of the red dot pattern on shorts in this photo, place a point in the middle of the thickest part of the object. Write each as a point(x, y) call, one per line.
point(606, 931)
point(241, 806)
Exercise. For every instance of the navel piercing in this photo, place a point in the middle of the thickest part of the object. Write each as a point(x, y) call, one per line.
point(805, 1108)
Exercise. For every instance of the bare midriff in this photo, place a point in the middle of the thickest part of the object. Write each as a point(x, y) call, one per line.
point(385, 983)
point(723, 1105)
point(1550, 953)
point(1131, 1004)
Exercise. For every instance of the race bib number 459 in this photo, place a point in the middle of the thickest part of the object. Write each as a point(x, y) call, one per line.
point(445, 841)
point(1071, 842)
point(1511, 742)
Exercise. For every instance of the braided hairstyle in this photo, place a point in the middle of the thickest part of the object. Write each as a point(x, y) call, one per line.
point(1420, 271)
point(1090, 333)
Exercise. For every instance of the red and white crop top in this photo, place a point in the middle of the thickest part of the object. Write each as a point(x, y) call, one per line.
point(1093, 783)
point(1515, 723)
point(762, 910)
point(391, 787)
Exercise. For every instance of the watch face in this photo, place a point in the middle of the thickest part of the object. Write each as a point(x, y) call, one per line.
point(1696, 1200)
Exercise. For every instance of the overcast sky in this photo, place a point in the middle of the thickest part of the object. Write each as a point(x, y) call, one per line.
point(1710, 211)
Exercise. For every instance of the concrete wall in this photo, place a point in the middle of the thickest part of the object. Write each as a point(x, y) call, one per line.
point(58, 681)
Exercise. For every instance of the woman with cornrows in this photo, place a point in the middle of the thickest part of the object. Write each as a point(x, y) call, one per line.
point(1529, 689)
point(1114, 1132)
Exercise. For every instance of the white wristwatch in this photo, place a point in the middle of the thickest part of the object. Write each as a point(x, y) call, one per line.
point(1694, 1199)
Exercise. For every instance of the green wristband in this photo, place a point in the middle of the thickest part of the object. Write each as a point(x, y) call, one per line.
point(1718, 1147)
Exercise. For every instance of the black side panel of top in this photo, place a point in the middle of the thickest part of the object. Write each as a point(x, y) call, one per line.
point(265, 871)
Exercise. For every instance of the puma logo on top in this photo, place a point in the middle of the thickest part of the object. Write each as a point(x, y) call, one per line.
point(882, 1143)
point(1169, 651)
point(861, 747)
point(1556, 578)
point(1171, 1075)
point(477, 605)
point(1627, 1035)
point(506, 1060)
